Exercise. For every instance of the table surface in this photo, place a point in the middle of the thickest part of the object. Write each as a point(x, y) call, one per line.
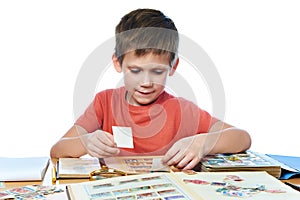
point(48, 180)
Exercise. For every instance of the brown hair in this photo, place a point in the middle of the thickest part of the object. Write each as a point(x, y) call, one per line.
point(146, 31)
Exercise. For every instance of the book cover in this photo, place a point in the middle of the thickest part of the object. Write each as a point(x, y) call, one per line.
point(290, 165)
point(23, 169)
point(180, 185)
point(76, 167)
point(82, 167)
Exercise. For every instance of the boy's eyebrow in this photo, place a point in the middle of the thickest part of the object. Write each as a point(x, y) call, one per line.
point(152, 65)
point(129, 65)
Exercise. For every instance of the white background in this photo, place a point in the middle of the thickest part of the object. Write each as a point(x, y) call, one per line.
point(254, 45)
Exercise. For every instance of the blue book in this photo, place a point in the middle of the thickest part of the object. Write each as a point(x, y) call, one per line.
point(290, 167)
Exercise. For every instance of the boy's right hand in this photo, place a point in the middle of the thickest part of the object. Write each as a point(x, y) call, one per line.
point(100, 144)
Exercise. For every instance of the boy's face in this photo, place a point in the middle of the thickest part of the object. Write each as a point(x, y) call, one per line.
point(144, 76)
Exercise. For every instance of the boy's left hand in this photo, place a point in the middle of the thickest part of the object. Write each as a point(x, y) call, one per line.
point(186, 153)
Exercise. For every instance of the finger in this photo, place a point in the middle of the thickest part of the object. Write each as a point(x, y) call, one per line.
point(188, 162)
point(100, 153)
point(192, 164)
point(96, 145)
point(185, 159)
point(184, 156)
point(176, 158)
point(105, 149)
point(110, 150)
point(169, 155)
point(106, 138)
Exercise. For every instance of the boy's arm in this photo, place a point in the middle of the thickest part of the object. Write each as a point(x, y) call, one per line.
point(224, 138)
point(70, 144)
point(78, 142)
point(221, 138)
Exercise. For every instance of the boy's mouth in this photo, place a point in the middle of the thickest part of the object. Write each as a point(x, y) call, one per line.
point(145, 92)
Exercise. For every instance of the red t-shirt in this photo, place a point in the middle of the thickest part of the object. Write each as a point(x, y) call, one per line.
point(155, 127)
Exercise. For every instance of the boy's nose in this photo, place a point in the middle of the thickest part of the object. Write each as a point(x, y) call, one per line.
point(146, 82)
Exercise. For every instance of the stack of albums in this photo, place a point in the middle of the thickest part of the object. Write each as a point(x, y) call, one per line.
point(247, 161)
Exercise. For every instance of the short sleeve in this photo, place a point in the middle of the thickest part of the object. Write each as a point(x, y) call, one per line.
point(88, 120)
point(204, 122)
point(194, 118)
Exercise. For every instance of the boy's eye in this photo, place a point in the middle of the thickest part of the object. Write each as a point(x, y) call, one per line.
point(158, 71)
point(134, 70)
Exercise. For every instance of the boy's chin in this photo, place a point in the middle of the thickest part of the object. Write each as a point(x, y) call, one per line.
point(143, 102)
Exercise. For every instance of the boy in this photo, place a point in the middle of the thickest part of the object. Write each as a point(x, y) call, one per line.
point(146, 53)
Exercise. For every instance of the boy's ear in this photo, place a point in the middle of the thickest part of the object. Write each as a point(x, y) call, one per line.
point(174, 67)
point(116, 63)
